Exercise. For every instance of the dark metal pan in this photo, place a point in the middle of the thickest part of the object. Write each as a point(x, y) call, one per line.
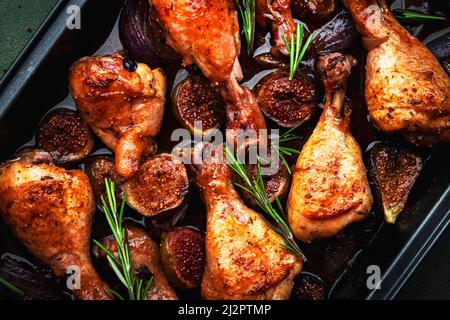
point(37, 81)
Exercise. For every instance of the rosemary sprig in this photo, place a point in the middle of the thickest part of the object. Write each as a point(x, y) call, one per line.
point(285, 151)
point(408, 15)
point(121, 264)
point(10, 286)
point(297, 49)
point(247, 12)
point(257, 190)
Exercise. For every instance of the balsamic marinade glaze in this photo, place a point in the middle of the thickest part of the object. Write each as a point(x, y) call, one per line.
point(328, 259)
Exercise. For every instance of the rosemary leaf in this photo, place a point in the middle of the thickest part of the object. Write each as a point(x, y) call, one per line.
point(256, 188)
point(285, 163)
point(107, 251)
point(116, 294)
point(120, 262)
point(285, 151)
point(117, 271)
point(297, 49)
point(409, 15)
point(10, 286)
point(147, 286)
point(247, 11)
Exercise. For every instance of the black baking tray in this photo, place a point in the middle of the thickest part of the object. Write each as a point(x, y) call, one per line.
point(37, 81)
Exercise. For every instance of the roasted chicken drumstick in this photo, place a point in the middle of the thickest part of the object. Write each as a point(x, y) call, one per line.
point(50, 210)
point(207, 33)
point(407, 90)
point(329, 187)
point(244, 258)
point(145, 258)
point(123, 103)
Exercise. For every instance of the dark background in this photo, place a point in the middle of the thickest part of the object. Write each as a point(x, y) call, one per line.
point(20, 18)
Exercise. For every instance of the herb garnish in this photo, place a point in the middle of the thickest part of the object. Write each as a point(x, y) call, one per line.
point(408, 15)
point(285, 151)
point(10, 286)
point(297, 49)
point(247, 11)
point(257, 190)
point(121, 265)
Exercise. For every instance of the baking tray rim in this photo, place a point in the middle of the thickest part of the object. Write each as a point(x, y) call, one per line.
point(398, 271)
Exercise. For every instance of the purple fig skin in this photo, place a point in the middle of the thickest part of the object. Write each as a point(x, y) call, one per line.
point(142, 37)
point(183, 256)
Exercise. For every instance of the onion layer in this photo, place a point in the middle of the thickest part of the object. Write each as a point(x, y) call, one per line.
point(142, 36)
point(337, 35)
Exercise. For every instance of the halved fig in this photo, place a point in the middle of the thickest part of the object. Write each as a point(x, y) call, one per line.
point(64, 135)
point(183, 257)
point(277, 185)
point(288, 103)
point(161, 184)
point(393, 170)
point(195, 99)
point(98, 168)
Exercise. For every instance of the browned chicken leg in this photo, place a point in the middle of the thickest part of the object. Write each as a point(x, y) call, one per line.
point(145, 259)
point(329, 187)
point(407, 90)
point(124, 108)
point(207, 33)
point(244, 258)
point(278, 12)
point(50, 210)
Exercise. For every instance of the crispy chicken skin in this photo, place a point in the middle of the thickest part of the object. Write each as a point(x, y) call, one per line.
point(145, 258)
point(278, 12)
point(329, 186)
point(203, 32)
point(50, 210)
point(407, 90)
point(124, 108)
point(207, 33)
point(244, 259)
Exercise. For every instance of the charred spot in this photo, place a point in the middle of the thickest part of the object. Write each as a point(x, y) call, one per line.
point(100, 83)
point(428, 74)
point(415, 101)
point(334, 61)
point(9, 204)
